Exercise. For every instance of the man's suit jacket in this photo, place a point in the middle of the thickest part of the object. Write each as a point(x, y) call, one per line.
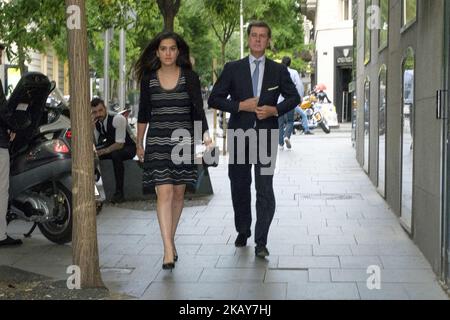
point(236, 82)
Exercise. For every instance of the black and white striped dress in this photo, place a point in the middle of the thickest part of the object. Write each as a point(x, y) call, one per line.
point(170, 110)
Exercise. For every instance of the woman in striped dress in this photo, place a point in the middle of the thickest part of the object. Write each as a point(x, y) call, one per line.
point(170, 102)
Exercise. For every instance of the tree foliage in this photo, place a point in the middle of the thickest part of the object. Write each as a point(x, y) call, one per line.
point(211, 28)
point(286, 22)
point(224, 20)
point(27, 25)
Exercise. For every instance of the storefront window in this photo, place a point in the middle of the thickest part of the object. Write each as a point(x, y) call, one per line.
point(407, 138)
point(409, 10)
point(384, 24)
point(382, 96)
point(366, 124)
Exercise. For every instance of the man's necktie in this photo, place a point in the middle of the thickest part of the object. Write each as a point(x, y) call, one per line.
point(255, 78)
point(102, 133)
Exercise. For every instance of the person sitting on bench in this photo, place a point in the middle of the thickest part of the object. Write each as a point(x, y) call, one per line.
point(112, 141)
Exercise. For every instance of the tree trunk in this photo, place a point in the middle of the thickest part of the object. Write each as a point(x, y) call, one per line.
point(224, 114)
point(84, 238)
point(169, 21)
point(21, 59)
point(169, 9)
point(222, 50)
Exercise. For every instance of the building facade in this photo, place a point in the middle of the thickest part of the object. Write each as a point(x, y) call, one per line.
point(402, 131)
point(332, 35)
point(47, 63)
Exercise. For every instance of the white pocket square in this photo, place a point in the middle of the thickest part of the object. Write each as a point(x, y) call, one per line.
point(274, 88)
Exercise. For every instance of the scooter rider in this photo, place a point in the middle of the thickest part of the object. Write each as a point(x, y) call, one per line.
point(6, 136)
point(321, 95)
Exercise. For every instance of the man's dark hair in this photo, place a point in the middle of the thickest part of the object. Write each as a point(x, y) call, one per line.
point(2, 46)
point(286, 61)
point(96, 101)
point(259, 24)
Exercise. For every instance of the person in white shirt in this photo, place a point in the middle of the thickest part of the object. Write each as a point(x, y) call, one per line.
point(112, 141)
point(5, 137)
point(286, 122)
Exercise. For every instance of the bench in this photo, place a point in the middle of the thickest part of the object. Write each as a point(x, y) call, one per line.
point(133, 182)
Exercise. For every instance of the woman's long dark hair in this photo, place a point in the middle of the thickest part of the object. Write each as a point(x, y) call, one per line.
point(149, 61)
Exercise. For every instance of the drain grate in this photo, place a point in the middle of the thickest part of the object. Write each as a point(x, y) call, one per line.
point(288, 269)
point(328, 196)
point(117, 270)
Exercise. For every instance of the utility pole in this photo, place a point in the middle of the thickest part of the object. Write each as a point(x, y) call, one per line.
point(106, 67)
point(214, 78)
point(242, 28)
point(122, 69)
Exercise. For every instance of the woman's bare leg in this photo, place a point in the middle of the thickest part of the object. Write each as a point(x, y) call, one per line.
point(177, 208)
point(164, 210)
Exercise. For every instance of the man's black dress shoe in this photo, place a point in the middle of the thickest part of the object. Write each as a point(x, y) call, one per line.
point(117, 197)
point(241, 240)
point(10, 242)
point(261, 251)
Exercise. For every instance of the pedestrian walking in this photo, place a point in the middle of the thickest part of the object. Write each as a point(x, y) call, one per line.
point(254, 85)
point(286, 121)
point(170, 99)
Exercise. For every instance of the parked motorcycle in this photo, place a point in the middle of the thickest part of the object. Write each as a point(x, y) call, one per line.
point(58, 118)
point(314, 113)
point(41, 165)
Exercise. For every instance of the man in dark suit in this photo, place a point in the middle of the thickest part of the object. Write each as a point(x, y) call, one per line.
point(249, 89)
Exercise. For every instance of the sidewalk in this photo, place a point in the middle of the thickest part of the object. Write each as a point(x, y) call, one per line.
point(330, 225)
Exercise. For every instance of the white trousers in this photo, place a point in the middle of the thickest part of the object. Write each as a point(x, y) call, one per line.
point(4, 190)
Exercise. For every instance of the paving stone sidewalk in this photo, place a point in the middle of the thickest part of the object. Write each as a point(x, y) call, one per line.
point(330, 225)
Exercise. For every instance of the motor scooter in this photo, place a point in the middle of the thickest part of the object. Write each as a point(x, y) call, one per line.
point(41, 162)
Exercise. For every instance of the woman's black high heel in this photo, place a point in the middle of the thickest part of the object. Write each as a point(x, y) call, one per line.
point(168, 266)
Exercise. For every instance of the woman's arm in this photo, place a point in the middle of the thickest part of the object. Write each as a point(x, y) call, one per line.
point(145, 109)
point(140, 140)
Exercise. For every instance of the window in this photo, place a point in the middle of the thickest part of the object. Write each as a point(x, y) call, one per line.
point(367, 32)
point(407, 137)
point(366, 117)
point(384, 24)
point(409, 10)
point(382, 96)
